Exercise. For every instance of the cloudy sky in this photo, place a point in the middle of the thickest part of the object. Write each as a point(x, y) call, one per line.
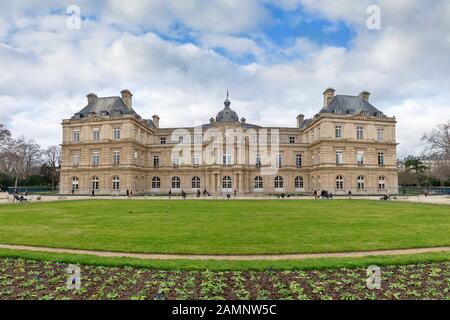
point(179, 58)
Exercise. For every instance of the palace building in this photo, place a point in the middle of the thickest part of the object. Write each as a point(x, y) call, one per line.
point(349, 145)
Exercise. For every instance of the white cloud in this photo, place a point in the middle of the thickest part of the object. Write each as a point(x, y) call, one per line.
point(48, 69)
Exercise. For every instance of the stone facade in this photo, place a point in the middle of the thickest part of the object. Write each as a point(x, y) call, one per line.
point(348, 146)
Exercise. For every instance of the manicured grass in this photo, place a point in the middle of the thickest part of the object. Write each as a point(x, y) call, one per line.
point(226, 227)
point(222, 265)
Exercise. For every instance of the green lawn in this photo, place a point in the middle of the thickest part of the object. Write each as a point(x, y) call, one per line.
point(226, 227)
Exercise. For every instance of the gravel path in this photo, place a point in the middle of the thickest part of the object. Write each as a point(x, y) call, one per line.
point(299, 256)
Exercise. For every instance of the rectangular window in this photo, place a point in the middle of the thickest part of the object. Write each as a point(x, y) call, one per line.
point(279, 160)
point(380, 134)
point(96, 134)
point(175, 161)
point(227, 159)
point(298, 160)
point(116, 158)
point(162, 140)
point(381, 158)
point(95, 159)
point(116, 133)
point(360, 158)
point(258, 160)
point(76, 159)
point(338, 132)
point(76, 135)
point(198, 139)
point(359, 133)
point(339, 157)
point(156, 161)
point(291, 139)
point(196, 160)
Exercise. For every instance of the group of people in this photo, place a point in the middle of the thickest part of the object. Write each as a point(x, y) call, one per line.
point(324, 194)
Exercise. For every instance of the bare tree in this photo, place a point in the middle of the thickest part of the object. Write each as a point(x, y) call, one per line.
point(22, 156)
point(5, 135)
point(439, 140)
point(52, 158)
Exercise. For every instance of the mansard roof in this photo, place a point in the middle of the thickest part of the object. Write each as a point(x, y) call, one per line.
point(111, 105)
point(346, 104)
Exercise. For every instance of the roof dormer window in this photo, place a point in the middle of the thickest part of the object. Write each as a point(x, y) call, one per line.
point(90, 114)
point(104, 113)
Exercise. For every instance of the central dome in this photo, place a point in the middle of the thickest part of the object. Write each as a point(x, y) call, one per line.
point(227, 115)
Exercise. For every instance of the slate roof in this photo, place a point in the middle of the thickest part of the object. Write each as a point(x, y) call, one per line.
point(346, 104)
point(109, 104)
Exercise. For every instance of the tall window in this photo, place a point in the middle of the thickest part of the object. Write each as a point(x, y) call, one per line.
point(227, 159)
point(76, 159)
point(175, 161)
point(156, 161)
point(76, 135)
point(380, 134)
point(298, 183)
point(339, 160)
point(360, 182)
point(279, 160)
point(116, 158)
point(291, 139)
point(381, 183)
point(360, 158)
point(156, 183)
point(359, 133)
point(278, 182)
point(196, 160)
point(116, 183)
point(298, 160)
point(116, 133)
point(75, 185)
point(338, 131)
point(162, 140)
point(258, 160)
point(95, 183)
point(381, 158)
point(258, 183)
point(195, 183)
point(95, 159)
point(176, 183)
point(226, 183)
point(96, 134)
point(339, 183)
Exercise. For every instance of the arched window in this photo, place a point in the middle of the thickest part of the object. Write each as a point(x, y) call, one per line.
point(339, 183)
point(381, 183)
point(278, 182)
point(95, 183)
point(360, 182)
point(156, 183)
point(75, 185)
point(258, 183)
point(195, 183)
point(226, 183)
point(298, 183)
point(176, 183)
point(116, 183)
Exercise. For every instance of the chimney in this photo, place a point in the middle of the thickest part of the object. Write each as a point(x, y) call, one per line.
point(364, 95)
point(300, 119)
point(243, 120)
point(155, 120)
point(328, 95)
point(91, 97)
point(211, 120)
point(126, 98)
